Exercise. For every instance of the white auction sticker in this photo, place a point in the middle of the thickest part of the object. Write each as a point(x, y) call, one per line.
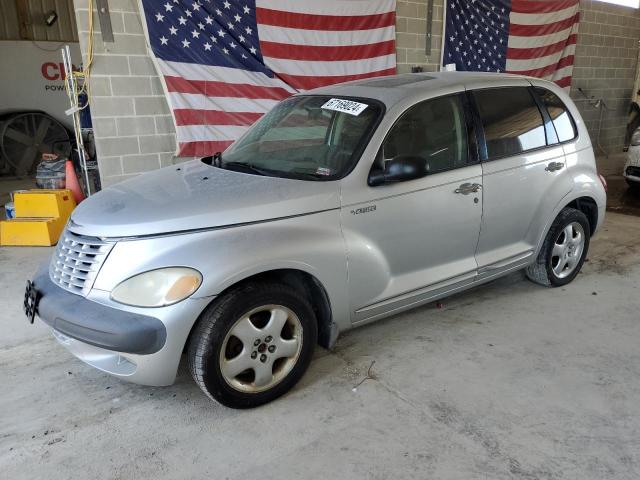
point(345, 106)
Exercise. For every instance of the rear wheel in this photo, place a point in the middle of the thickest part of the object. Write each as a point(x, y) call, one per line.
point(563, 251)
point(253, 345)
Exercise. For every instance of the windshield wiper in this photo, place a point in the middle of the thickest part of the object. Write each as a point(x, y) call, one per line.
point(247, 167)
point(214, 160)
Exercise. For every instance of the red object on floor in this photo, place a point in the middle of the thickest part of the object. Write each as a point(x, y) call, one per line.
point(72, 182)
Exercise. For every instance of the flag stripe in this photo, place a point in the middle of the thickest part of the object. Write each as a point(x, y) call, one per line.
point(531, 30)
point(305, 21)
point(224, 89)
point(337, 68)
point(202, 148)
point(541, 6)
point(229, 104)
point(194, 133)
point(548, 70)
point(194, 71)
point(541, 40)
point(542, 18)
point(564, 81)
point(323, 7)
point(525, 53)
point(515, 65)
point(324, 53)
point(560, 73)
point(296, 36)
point(304, 82)
point(187, 116)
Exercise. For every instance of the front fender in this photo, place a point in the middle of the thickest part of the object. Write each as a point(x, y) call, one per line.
point(310, 243)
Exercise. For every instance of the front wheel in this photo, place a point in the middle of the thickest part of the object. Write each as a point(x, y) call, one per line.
point(253, 344)
point(563, 251)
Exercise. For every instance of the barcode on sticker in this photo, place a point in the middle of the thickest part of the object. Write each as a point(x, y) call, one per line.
point(345, 106)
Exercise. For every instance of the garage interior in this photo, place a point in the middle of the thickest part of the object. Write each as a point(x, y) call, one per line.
point(509, 380)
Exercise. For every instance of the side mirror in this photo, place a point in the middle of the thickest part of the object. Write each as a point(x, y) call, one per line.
point(399, 169)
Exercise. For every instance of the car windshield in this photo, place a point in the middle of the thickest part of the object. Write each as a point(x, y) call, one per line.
point(305, 137)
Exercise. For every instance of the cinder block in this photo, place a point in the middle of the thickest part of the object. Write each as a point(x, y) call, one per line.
point(123, 5)
point(130, 86)
point(140, 163)
point(117, 146)
point(166, 159)
point(109, 65)
point(157, 143)
point(151, 106)
point(117, 22)
point(123, 44)
point(136, 125)
point(132, 22)
point(141, 65)
point(156, 86)
point(104, 127)
point(109, 166)
point(111, 106)
point(406, 40)
point(164, 124)
point(406, 9)
point(100, 86)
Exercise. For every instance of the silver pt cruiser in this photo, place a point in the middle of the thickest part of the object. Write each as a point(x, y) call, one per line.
point(340, 206)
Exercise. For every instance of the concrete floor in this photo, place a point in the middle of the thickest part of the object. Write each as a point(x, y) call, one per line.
point(509, 381)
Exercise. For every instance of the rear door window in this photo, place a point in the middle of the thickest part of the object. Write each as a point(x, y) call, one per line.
point(511, 121)
point(560, 116)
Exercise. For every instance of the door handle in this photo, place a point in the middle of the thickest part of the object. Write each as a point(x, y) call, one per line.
point(467, 188)
point(553, 166)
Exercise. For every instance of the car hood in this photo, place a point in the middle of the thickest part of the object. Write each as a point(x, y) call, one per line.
point(193, 196)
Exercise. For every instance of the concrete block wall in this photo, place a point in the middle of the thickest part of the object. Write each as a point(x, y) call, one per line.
point(132, 122)
point(605, 67)
point(411, 35)
point(133, 126)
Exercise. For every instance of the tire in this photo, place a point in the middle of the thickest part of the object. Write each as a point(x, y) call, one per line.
point(547, 270)
point(266, 344)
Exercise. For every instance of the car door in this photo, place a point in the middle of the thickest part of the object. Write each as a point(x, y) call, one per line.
point(523, 175)
point(412, 238)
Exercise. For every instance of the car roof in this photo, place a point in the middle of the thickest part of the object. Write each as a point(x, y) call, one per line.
point(392, 89)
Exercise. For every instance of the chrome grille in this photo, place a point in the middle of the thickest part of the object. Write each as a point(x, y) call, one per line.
point(77, 261)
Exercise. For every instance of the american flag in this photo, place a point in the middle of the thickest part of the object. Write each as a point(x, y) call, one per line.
point(227, 62)
point(527, 37)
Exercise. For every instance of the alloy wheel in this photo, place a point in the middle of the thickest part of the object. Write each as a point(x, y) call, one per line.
point(261, 348)
point(567, 250)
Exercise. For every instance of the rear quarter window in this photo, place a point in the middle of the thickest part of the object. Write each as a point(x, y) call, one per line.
point(561, 118)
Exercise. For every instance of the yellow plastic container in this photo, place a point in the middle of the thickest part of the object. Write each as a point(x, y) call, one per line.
point(31, 231)
point(44, 204)
point(40, 218)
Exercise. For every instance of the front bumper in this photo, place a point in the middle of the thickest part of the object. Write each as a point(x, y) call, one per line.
point(99, 325)
point(141, 345)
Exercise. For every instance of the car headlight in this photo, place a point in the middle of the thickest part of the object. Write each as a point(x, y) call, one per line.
point(158, 288)
point(635, 138)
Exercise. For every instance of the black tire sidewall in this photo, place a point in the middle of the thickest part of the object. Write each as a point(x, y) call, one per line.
point(223, 316)
point(566, 217)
